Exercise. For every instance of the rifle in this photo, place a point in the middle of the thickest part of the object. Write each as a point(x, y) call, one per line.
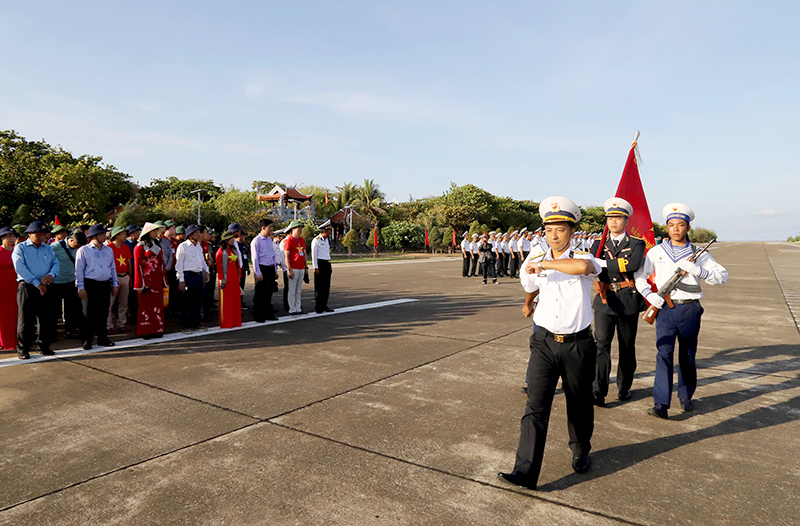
point(670, 286)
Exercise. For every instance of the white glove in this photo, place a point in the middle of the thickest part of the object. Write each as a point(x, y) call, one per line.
point(602, 262)
point(689, 267)
point(656, 300)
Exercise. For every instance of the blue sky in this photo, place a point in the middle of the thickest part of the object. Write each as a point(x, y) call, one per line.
point(525, 99)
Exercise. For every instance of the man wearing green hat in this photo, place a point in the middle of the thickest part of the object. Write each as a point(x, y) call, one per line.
point(295, 252)
point(60, 233)
point(122, 262)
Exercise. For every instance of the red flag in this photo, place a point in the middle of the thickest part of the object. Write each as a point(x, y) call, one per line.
point(58, 223)
point(375, 236)
point(640, 224)
point(454, 237)
point(427, 243)
point(326, 197)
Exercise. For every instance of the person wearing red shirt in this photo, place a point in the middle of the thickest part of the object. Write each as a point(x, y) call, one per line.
point(295, 251)
point(230, 293)
point(122, 260)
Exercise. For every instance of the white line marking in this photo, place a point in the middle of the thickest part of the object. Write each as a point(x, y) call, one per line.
point(401, 262)
point(174, 336)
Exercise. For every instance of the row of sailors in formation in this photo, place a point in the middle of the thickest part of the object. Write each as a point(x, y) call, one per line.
point(522, 241)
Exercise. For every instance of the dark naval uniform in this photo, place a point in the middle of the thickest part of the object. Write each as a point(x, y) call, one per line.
point(619, 311)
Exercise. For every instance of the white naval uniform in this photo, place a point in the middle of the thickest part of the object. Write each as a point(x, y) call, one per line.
point(663, 259)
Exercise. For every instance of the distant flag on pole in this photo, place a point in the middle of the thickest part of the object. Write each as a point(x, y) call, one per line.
point(58, 223)
point(326, 197)
point(454, 237)
point(427, 242)
point(375, 237)
point(640, 224)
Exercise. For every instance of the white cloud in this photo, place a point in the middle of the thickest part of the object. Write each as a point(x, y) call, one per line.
point(769, 212)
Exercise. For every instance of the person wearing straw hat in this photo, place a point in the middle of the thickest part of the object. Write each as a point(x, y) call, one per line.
point(36, 266)
point(682, 321)
point(321, 261)
point(149, 281)
point(123, 264)
point(617, 304)
point(96, 279)
point(295, 252)
point(190, 263)
point(230, 294)
point(561, 345)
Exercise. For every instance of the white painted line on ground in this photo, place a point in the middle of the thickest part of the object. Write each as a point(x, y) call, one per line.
point(401, 262)
point(171, 337)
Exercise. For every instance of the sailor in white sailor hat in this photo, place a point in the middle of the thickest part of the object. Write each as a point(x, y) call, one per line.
point(474, 245)
point(562, 345)
point(617, 304)
point(681, 318)
point(466, 255)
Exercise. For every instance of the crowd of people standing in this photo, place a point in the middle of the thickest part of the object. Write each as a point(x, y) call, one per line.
point(102, 282)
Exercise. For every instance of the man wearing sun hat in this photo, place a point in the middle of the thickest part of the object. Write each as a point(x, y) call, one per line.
point(561, 346)
point(123, 264)
point(682, 322)
point(96, 279)
point(618, 303)
point(36, 266)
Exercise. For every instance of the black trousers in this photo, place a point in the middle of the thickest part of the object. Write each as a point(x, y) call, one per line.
point(498, 266)
point(243, 281)
point(98, 301)
point(175, 300)
point(33, 307)
point(67, 294)
point(208, 293)
point(465, 267)
point(262, 294)
point(192, 300)
point(626, 327)
point(322, 285)
point(513, 265)
point(550, 360)
point(474, 265)
point(487, 270)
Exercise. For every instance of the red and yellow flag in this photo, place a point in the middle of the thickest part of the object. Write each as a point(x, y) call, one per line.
point(640, 224)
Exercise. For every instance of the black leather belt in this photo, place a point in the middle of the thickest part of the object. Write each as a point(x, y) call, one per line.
point(684, 302)
point(567, 338)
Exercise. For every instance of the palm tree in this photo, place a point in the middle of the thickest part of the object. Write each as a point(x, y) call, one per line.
point(369, 200)
point(346, 195)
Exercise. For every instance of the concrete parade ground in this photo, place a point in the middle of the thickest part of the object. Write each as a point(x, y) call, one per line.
point(400, 408)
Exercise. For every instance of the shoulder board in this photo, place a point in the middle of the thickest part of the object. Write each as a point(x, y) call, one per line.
point(541, 254)
point(581, 252)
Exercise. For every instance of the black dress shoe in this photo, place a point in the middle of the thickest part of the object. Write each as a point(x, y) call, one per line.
point(107, 343)
point(47, 351)
point(319, 311)
point(87, 346)
point(580, 463)
point(518, 479)
point(272, 318)
point(23, 354)
point(658, 412)
point(687, 405)
point(624, 395)
point(598, 400)
point(328, 309)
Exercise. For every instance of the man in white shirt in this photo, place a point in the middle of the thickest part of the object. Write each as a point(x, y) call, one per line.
point(475, 254)
point(192, 272)
point(466, 254)
point(562, 345)
point(321, 260)
point(682, 321)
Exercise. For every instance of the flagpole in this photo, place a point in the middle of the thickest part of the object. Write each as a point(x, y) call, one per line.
point(605, 229)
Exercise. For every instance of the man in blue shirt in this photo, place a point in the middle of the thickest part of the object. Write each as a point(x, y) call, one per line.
point(36, 266)
point(96, 279)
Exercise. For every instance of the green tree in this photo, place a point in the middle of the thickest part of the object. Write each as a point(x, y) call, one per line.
point(702, 235)
point(369, 201)
point(447, 238)
point(238, 206)
point(310, 231)
point(351, 241)
point(263, 187)
point(321, 210)
point(371, 239)
point(593, 219)
point(403, 235)
point(475, 228)
point(346, 195)
point(173, 187)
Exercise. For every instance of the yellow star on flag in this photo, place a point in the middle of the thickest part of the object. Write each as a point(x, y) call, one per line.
point(232, 257)
point(121, 260)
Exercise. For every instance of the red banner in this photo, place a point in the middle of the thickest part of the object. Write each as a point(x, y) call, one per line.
point(455, 243)
point(57, 222)
point(427, 243)
point(375, 235)
point(640, 224)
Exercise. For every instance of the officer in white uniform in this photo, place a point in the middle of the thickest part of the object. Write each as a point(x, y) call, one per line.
point(683, 321)
point(466, 254)
point(474, 246)
point(562, 345)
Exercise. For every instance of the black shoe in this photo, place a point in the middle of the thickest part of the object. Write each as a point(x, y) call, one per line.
point(301, 312)
point(580, 463)
point(319, 311)
point(524, 389)
point(328, 309)
point(107, 343)
point(22, 354)
point(658, 412)
point(687, 405)
point(87, 346)
point(598, 400)
point(518, 479)
point(624, 395)
point(148, 336)
point(271, 318)
point(47, 351)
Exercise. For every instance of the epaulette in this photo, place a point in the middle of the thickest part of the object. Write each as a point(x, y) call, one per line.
point(581, 252)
